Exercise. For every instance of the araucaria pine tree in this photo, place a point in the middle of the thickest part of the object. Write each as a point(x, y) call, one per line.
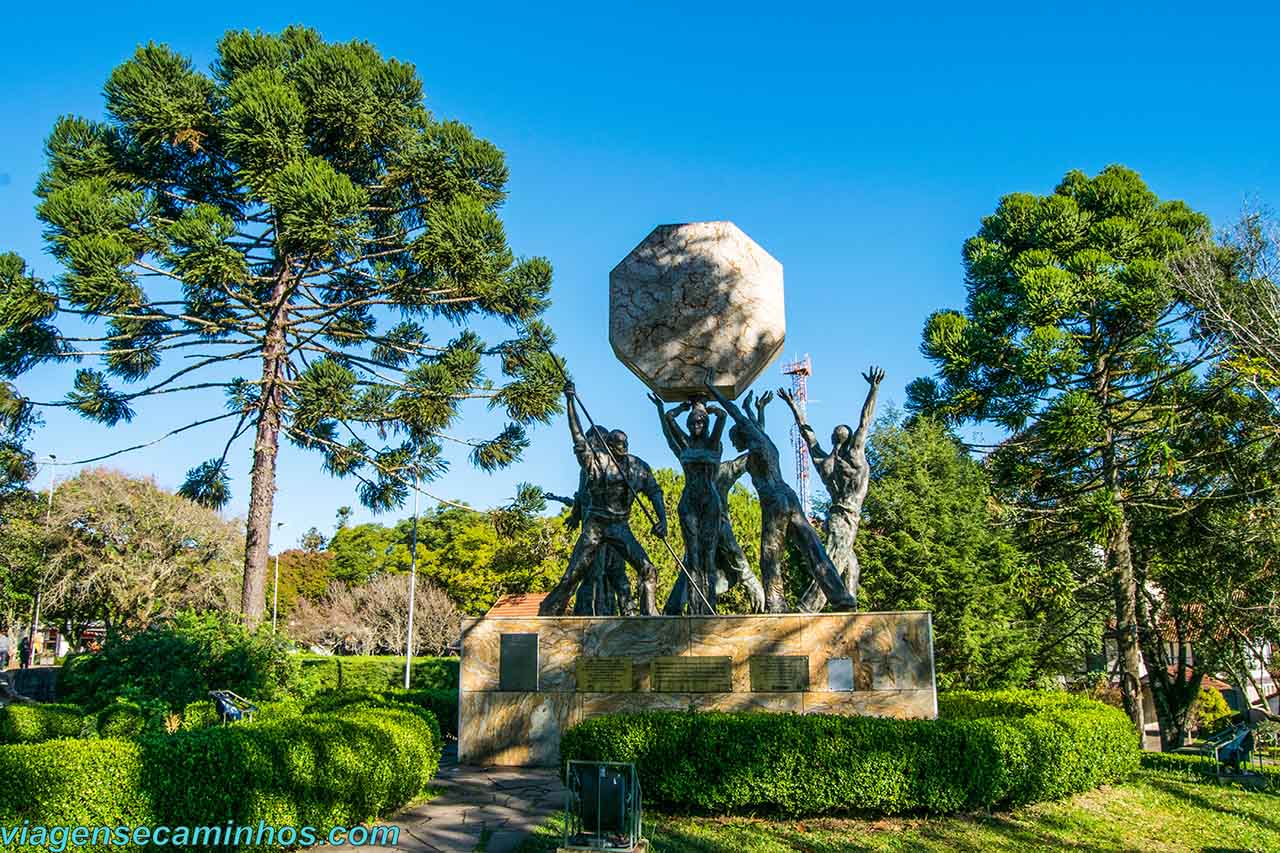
point(1075, 342)
point(274, 237)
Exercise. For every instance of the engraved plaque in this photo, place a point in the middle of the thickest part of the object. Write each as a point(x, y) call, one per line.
point(840, 675)
point(688, 674)
point(604, 675)
point(518, 662)
point(779, 673)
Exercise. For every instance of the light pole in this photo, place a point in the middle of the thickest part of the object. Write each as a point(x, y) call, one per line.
point(413, 583)
point(44, 557)
point(275, 587)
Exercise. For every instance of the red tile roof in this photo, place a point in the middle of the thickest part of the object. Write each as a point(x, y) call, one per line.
point(519, 604)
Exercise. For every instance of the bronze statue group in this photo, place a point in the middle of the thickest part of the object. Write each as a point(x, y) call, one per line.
point(713, 562)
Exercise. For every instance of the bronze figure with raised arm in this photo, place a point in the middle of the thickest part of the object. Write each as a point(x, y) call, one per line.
point(701, 509)
point(732, 566)
point(782, 518)
point(606, 586)
point(846, 474)
point(612, 478)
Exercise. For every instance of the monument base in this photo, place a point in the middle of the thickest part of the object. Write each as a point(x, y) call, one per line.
point(524, 680)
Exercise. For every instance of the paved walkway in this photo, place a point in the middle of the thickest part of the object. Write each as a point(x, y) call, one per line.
point(491, 809)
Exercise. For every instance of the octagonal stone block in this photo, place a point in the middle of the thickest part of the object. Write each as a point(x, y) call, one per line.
point(693, 297)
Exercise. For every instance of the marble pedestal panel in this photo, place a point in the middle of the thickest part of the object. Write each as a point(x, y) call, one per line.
point(878, 664)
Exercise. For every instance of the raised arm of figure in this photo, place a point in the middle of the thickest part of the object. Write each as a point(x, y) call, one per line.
point(874, 376)
point(575, 428)
point(765, 399)
point(717, 428)
point(676, 439)
point(806, 432)
point(744, 421)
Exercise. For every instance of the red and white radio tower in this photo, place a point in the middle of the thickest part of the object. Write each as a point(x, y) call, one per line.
point(799, 371)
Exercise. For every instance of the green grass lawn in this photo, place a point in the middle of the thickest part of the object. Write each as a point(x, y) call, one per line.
point(1158, 810)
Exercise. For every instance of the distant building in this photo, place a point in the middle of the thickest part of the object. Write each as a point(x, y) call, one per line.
point(518, 604)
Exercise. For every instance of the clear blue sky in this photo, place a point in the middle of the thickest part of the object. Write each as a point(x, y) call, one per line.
point(860, 148)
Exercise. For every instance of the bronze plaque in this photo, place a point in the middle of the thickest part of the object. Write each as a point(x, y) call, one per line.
point(518, 662)
point(779, 673)
point(604, 675)
point(687, 674)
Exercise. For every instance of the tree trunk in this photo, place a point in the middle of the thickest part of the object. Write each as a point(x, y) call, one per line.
point(266, 445)
point(1124, 588)
point(1124, 585)
point(1172, 692)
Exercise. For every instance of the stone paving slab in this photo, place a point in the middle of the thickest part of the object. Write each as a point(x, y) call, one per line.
point(501, 805)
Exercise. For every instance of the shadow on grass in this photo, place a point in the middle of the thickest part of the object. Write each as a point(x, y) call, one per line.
point(1185, 791)
point(965, 834)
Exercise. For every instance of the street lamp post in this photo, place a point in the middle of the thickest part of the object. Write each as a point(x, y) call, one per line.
point(275, 587)
point(413, 583)
point(44, 556)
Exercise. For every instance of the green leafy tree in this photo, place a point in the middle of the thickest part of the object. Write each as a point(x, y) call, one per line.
point(281, 229)
point(931, 539)
point(303, 574)
point(1074, 340)
point(474, 556)
point(313, 540)
point(1206, 558)
point(361, 552)
point(122, 550)
point(464, 552)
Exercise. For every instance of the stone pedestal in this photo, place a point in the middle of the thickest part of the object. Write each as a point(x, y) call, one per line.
point(878, 664)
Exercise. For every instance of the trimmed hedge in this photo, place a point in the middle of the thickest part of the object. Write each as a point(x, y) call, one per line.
point(203, 714)
point(378, 673)
point(1194, 765)
point(443, 704)
point(22, 723)
point(319, 770)
point(1003, 748)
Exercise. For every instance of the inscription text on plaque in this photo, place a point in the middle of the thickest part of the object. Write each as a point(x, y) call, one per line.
point(691, 674)
point(604, 675)
point(779, 673)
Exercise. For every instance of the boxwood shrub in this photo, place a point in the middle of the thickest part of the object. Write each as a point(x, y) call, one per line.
point(1199, 767)
point(322, 770)
point(121, 720)
point(443, 704)
point(986, 750)
point(24, 723)
point(340, 672)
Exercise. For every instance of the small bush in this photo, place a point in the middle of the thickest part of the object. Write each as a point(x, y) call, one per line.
point(121, 720)
point(339, 672)
point(199, 715)
point(23, 723)
point(443, 704)
point(1001, 748)
point(1210, 712)
point(342, 768)
point(178, 661)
